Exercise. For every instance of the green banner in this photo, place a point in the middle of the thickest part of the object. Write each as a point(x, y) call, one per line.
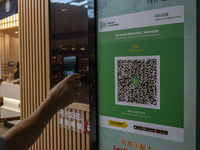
point(170, 49)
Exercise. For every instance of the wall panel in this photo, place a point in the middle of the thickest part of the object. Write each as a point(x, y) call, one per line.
point(35, 77)
point(8, 49)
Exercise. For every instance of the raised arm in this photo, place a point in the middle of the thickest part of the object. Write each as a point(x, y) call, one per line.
point(25, 133)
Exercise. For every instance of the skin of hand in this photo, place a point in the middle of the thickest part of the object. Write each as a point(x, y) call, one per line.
point(63, 93)
point(25, 133)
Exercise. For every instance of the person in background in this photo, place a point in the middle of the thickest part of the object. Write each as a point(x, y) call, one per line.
point(25, 133)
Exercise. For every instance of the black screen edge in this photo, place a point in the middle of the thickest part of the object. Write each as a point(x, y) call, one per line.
point(93, 75)
point(198, 77)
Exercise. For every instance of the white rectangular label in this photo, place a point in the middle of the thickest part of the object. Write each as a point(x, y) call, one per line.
point(149, 18)
point(173, 133)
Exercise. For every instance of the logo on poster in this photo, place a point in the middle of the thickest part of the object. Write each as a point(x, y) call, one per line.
point(154, 1)
point(7, 6)
point(102, 25)
point(108, 24)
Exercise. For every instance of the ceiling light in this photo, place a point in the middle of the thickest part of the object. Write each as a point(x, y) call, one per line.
point(9, 22)
point(79, 3)
point(61, 1)
point(64, 9)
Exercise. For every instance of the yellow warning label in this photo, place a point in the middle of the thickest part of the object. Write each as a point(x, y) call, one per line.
point(118, 124)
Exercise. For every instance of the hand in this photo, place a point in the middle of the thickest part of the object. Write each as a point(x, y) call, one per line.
point(63, 93)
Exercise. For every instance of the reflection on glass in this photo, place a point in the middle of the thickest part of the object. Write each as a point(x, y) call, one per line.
point(69, 42)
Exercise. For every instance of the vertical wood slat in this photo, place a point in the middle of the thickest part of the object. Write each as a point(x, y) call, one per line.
point(78, 139)
point(43, 63)
point(66, 134)
point(83, 145)
point(70, 134)
point(87, 135)
point(24, 80)
point(58, 137)
point(62, 139)
point(36, 146)
point(28, 61)
point(33, 59)
point(40, 63)
point(29, 58)
point(74, 132)
point(47, 46)
point(35, 76)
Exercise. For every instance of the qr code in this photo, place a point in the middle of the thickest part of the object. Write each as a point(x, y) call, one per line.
point(137, 81)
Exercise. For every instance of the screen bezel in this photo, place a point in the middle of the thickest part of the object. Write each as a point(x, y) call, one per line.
point(198, 77)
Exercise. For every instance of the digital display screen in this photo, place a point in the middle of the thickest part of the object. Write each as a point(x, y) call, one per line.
point(70, 51)
point(136, 104)
point(69, 65)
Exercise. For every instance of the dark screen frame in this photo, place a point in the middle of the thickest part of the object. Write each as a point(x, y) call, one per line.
point(92, 40)
point(92, 46)
point(198, 76)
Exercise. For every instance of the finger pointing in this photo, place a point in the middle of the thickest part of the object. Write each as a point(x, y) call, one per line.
point(73, 77)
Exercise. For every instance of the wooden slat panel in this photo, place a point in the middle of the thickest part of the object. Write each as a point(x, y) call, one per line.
point(34, 59)
point(66, 133)
point(62, 139)
point(43, 64)
point(70, 133)
point(74, 132)
point(55, 131)
point(25, 64)
point(27, 57)
point(21, 47)
point(47, 77)
point(35, 77)
point(87, 135)
point(83, 140)
point(33, 55)
point(59, 137)
point(78, 139)
point(40, 72)
point(37, 145)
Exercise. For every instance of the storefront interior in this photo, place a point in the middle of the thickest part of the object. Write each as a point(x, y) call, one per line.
point(9, 54)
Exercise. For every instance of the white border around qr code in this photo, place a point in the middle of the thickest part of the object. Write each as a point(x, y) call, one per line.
point(157, 106)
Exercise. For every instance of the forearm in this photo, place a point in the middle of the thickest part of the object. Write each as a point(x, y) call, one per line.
point(24, 134)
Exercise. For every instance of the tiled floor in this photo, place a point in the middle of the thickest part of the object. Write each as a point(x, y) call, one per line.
point(3, 129)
